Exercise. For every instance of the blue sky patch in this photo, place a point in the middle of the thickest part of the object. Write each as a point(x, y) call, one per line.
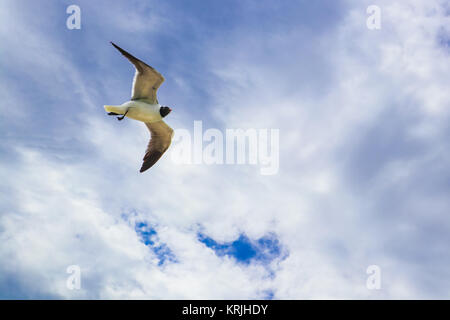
point(149, 237)
point(245, 250)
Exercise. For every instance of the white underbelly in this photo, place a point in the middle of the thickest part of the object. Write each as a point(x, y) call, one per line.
point(144, 112)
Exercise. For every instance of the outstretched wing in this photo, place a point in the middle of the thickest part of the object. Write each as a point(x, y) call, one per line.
point(146, 79)
point(161, 137)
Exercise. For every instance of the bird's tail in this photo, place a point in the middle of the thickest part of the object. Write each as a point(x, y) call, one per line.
point(115, 109)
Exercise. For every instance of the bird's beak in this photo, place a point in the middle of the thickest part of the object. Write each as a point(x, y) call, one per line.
point(170, 110)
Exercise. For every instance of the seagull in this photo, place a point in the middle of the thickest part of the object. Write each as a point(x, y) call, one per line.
point(144, 107)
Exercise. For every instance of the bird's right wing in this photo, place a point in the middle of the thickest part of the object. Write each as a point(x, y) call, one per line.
point(161, 137)
point(146, 79)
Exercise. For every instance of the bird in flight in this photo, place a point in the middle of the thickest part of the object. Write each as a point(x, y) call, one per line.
point(144, 107)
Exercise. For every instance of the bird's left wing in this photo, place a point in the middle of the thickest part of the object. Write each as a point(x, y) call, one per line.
point(161, 137)
point(146, 79)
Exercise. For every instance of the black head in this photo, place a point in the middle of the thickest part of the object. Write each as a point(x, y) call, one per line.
point(164, 111)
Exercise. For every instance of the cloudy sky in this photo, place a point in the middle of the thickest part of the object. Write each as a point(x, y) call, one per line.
point(364, 137)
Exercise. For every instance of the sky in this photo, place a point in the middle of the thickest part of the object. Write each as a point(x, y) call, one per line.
point(363, 179)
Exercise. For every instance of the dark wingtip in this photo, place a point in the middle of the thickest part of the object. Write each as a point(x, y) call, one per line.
point(144, 167)
point(150, 159)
